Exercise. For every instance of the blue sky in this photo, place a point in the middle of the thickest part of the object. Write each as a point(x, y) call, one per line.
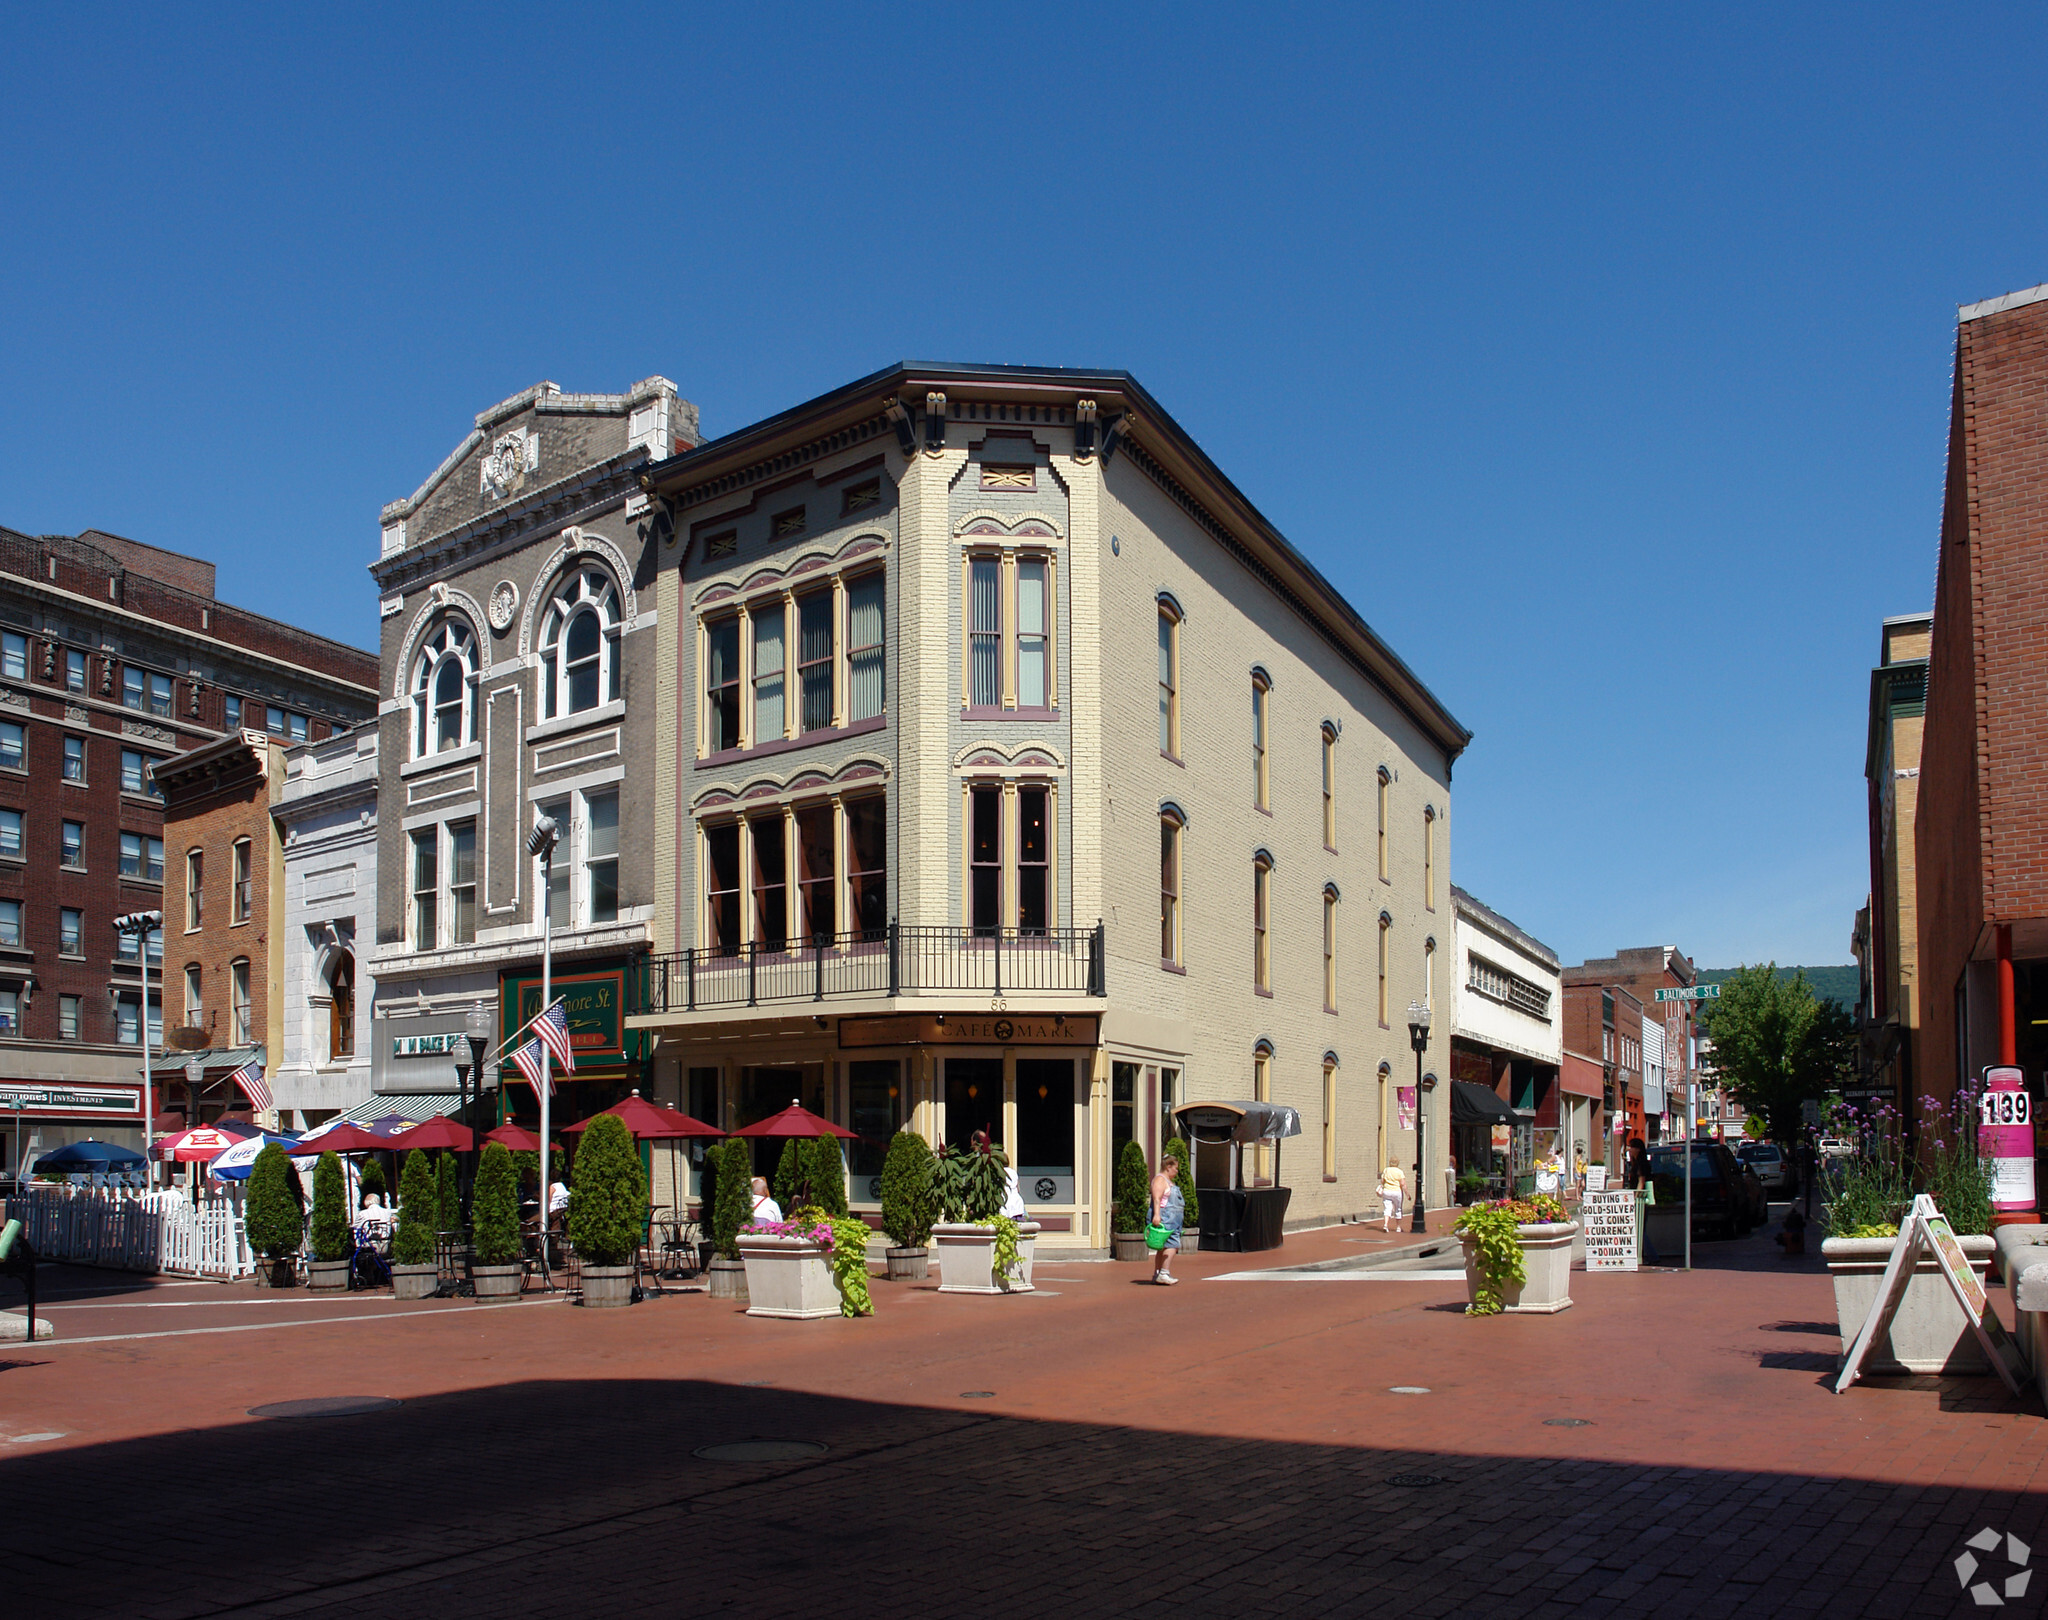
point(1602, 360)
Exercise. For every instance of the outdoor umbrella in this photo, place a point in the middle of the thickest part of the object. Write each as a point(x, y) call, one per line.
point(235, 1163)
point(199, 1144)
point(438, 1132)
point(345, 1138)
point(90, 1156)
point(796, 1120)
point(652, 1122)
point(516, 1137)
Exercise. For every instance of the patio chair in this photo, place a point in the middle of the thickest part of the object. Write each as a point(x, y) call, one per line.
point(653, 1238)
point(367, 1266)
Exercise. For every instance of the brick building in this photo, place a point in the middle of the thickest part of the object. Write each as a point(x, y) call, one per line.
point(115, 656)
point(1647, 1100)
point(1887, 935)
point(1981, 833)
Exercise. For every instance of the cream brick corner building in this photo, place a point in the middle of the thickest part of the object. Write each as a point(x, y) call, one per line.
point(1016, 773)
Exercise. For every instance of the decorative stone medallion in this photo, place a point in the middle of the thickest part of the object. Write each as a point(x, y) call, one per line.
point(504, 603)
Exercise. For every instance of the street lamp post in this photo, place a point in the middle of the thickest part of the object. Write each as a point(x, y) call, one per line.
point(138, 925)
point(1418, 1037)
point(476, 1039)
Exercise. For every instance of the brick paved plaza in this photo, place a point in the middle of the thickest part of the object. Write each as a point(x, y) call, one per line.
point(1224, 1448)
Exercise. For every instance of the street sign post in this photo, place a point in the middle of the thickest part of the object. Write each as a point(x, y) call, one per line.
point(1691, 992)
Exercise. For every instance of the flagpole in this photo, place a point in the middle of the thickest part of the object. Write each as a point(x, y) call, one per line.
point(541, 841)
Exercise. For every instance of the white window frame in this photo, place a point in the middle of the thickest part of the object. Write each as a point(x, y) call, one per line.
point(587, 589)
point(451, 638)
point(572, 859)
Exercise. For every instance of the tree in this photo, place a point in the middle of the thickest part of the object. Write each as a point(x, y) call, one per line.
point(790, 1171)
point(733, 1198)
point(332, 1238)
point(419, 1208)
point(608, 1201)
point(449, 1193)
point(495, 1207)
point(1777, 1045)
point(372, 1179)
point(272, 1217)
point(1133, 1207)
point(826, 1172)
point(910, 1204)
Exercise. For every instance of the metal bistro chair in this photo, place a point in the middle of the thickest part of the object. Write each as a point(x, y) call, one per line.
point(679, 1246)
point(653, 1241)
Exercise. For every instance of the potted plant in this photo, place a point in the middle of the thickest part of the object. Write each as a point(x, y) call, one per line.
point(1132, 1206)
point(608, 1211)
point(332, 1241)
point(448, 1191)
point(499, 1269)
point(977, 1244)
point(731, 1208)
point(909, 1206)
point(1518, 1256)
point(413, 1272)
point(370, 1179)
point(272, 1217)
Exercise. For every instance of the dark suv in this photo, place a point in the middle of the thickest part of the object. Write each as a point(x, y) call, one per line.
point(1727, 1197)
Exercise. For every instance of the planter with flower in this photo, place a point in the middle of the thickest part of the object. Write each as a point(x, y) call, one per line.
point(1518, 1256)
point(812, 1265)
point(981, 1250)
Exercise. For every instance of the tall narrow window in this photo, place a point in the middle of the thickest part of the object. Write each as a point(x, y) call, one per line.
point(1429, 857)
point(721, 685)
point(14, 655)
point(1329, 788)
point(1329, 1120)
point(195, 1007)
point(10, 922)
point(1262, 1091)
point(722, 887)
point(74, 670)
point(1262, 702)
point(426, 888)
point(579, 644)
point(238, 972)
point(72, 851)
point(462, 883)
point(771, 883)
point(867, 865)
point(985, 859)
point(74, 759)
point(1386, 789)
point(1169, 682)
point(244, 882)
point(768, 674)
point(865, 678)
point(562, 869)
point(601, 857)
point(1429, 975)
point(1329, 950)
point(160, 695)
point(816, 872)
point(134, 684)
point(71, 932)
point(67, 1017)
point(12, 835)
point(444, 691)
point(195, 889)
point(985, 639)
point(341, 1008)
point(231, 708)
point(1386, 925)
point(1262, 899)
point(814, 660)
point(13, 746)
point(1034, 871)
point(1169, 889)
point(1031, 634)
point(153, 859)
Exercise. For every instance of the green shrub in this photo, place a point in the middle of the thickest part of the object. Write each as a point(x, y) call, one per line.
point(494, 1207)
point(790, 1174)
point(272, 1216)
point(608, 1202)
point(419, 1207)
point(1184, 1154)
point(849, 1262)
point(734, 1198)
point(372, 1181)
point(910, 1202)
point(1496, 1254)
point(826, 1172)
point(971, 1183)
point(1133, 1209)
point(448, 1200)
point(332, 1237)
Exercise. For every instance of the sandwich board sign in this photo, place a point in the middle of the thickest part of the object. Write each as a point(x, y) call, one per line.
point(1926, 1227)
point(1612, 1230)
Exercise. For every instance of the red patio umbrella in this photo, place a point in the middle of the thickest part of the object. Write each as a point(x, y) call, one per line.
point(438, 1132)
point(650, 1119)
point(344, 1139)
point(796, 1120)
point(516, 1137)
point(199, 1144)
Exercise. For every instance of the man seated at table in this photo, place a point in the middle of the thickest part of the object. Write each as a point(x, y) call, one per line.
point(765, 1208)
point(558, 1203)
point(373, 1218)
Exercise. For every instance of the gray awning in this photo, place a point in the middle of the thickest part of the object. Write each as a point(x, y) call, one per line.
point(1237, 1121)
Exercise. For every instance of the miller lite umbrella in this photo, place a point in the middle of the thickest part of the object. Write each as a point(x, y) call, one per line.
point(200, 1143)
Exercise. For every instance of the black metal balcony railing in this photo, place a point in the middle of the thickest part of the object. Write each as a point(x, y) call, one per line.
point(892, 961)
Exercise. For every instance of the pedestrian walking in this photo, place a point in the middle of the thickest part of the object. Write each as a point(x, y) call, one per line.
point(1169, 1210)
point(1393, 1189)
point(1637, 1171)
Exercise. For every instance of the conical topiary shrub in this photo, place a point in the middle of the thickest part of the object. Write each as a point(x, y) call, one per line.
point(910, 1203)
point(494, 1207)
point(448, 1194)
point(1133, 1209)
point(735, 1199)
point(332, 1237)
point(271, 1216)
point(827, 1169)
point(790, 1174)
point(1184, 1155)
point(419, 1209)
point(608, 1202)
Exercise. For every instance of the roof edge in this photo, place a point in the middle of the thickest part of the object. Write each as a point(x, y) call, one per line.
point(2004, 301)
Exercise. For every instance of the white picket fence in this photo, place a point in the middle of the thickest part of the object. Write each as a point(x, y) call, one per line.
point(137, 1231)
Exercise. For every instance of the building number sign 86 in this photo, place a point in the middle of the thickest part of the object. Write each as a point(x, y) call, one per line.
point(2005, 1108)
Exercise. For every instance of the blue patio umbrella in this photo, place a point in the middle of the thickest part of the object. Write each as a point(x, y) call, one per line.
point(87, 1156)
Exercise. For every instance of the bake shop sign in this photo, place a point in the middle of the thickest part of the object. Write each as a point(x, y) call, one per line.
point(970, 1029)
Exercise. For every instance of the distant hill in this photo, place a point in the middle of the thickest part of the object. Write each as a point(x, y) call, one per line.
point(1836, 984)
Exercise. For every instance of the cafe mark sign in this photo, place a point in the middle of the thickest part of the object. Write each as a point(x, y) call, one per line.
point(971, 1029)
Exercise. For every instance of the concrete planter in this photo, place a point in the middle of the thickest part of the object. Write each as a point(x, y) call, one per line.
point(1547, 1262)
point(908, 1265)
point(967, 1258)
point(604, 1286)
point(788, 1277)
point(1027, 1246)
point(1128, 1246)
point(327, 1276)
point(415, 1282)
point(500, 1282)
point(727, 1279)
point(1929, 1333)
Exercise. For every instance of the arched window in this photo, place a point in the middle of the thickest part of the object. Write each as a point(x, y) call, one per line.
point(1386, 927)
point(1330, 898)
point(1262, 908)
point(1386, 789)
point(1429, 856)
point(444, 689)
point(579, 645)
point(1329, 786)
point(1169, 677)
point(1171, 825)
point(1262, 708)
point(1329, 1116)
point(341, 1008)
point(1262, 1090)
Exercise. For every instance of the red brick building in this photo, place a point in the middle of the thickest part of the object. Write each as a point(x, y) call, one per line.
point(1982, 816)
point(1603, 1020)
point(115, 656)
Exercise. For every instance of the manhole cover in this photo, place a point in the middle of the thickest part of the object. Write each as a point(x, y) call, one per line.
point(1407, 1389)
point(1416, 1479)
point(1567, 1423)
point(762, 1451)
point(329, 1406)
point(977, 1394)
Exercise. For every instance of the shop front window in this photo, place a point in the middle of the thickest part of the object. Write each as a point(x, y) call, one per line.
point(766, 1090)
point(1123, 1108)
point(875, 1094)
point(974, 1099)
point(1045, 1130)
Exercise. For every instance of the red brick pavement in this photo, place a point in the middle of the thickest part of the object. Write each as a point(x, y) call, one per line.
point(1220, 1448)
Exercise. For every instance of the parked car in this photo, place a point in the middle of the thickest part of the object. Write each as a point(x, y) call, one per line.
point(1727, 1197)
point(1774, 1167)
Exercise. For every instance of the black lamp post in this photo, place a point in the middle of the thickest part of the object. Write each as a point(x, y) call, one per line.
point(476, 1040)
point(1418, 1037)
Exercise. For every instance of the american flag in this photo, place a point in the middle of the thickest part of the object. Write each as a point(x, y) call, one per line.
point(530, 1061)
point(250, 1078)
point(552, 1026)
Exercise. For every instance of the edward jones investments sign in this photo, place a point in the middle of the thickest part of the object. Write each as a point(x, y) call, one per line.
point(593, 1001)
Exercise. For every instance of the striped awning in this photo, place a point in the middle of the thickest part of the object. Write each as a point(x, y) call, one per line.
point(412, 1108)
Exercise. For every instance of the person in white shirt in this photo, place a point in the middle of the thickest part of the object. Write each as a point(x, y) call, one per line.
point(1013, 1196)
point(765, 1208)
point(558, 1201)
point(374, 1218)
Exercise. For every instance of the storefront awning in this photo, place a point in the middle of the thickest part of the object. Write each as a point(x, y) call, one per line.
point(1473, 1104)
point(415, 1107)
point(1237, 1121)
